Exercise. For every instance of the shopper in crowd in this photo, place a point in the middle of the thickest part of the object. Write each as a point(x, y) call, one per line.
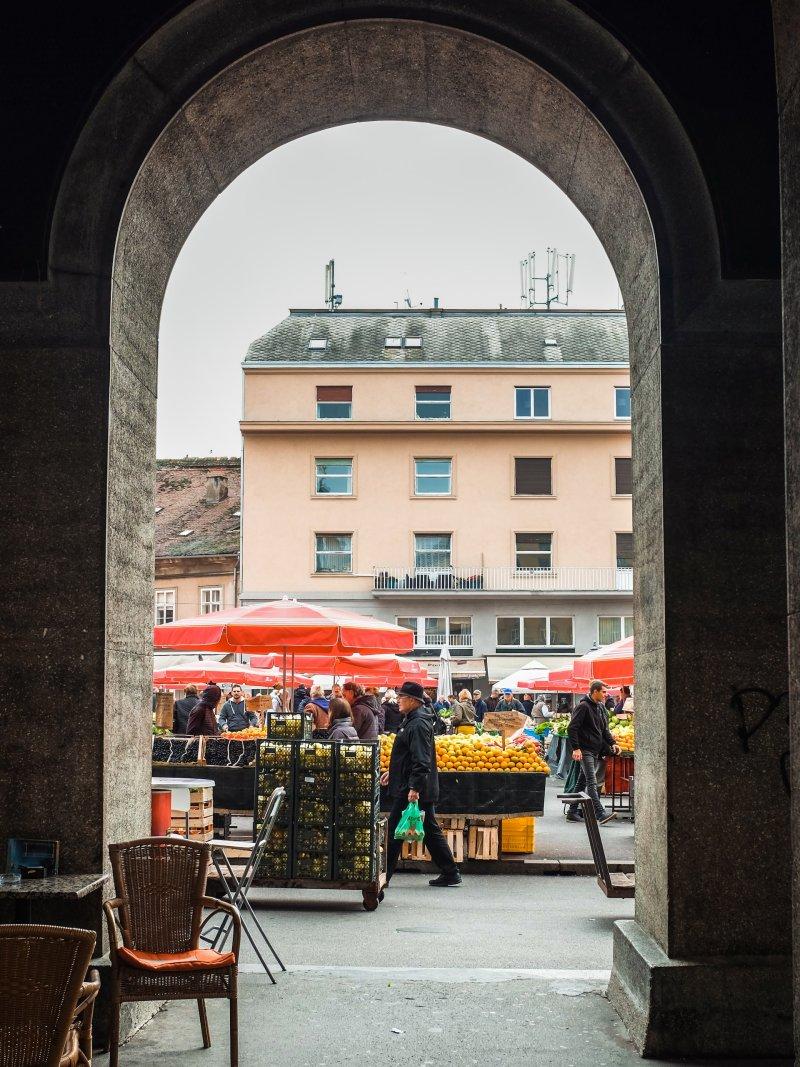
point(300, 698)
point(413, 776)
point(318, 706)
point(182, 708)
point(591, 739)
point(480, 705)
point(234, 715)
point(391, 713)
point(609, 703)
point(203, 718)
point(281, 699)
point(508, 702)
point(373, 691)
point(463, 711)
point(539, 712)
point(528, 704)
point(493, 700)
point(336, 691)
point(365, 710)
point(341, 721)
point(625, 698)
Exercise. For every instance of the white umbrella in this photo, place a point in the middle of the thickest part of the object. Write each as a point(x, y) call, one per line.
point(533, 671)
point(445, 686)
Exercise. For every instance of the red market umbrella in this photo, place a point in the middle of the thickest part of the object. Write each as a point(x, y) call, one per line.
point(398, 667)
point(205, 671)
point(612, 664)
point(287, 625)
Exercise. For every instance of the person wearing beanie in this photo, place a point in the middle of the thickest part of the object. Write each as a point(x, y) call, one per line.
point(203, 716)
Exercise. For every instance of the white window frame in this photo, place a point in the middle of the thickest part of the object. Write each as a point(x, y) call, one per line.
point(318, 343)
point(207, 608)
point(318, 476)
point(617, 388)
point(335, 418)
point(521, 620)
point(438, 567)
point(532, 389)
point(623, 628)
point(420, 635)
point(412, 342)
point(521, 567)
point(393, 342)
point(447, 478)
point(430, 403)
point(169, 597)
point(332, 552)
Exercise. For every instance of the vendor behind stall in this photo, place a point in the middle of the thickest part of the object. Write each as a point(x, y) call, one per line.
point(234, 715)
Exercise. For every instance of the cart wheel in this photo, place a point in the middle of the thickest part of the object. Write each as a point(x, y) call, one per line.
point(370, 900)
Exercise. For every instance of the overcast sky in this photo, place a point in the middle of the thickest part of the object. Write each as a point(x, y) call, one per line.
point(402, 207)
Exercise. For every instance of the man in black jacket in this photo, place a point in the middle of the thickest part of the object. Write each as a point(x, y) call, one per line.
point(588, 731)
point(181, 709)
point(413, 775)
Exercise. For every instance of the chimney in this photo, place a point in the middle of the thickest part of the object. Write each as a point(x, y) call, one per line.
point(216, 488)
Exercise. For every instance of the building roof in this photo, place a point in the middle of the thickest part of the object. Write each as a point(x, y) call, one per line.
point(181, 505)
point(449, 337)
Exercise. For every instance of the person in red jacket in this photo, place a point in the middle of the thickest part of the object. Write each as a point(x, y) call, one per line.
point(203, 717)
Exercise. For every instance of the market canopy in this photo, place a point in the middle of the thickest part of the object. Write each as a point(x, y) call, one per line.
point(559, 680)
point(206, 671)
point(399, 667)
point(287, 625)
point(533, 671)
point(612, 664)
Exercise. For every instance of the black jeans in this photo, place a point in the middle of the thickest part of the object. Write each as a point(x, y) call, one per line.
point(587, 780)
point(434, 839)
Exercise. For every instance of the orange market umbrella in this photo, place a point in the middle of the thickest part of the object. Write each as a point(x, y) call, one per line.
point(399, 667)
point(205, 671)
point(560, 680)
point(612, 664)
point(287, 625)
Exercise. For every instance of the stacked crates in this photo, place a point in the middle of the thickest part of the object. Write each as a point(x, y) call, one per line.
point(289, 725)
point(275, 767)
point(357, 809)
point(315, 792)
point(327, 829)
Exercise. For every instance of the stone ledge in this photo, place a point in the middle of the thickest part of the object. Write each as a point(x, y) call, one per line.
point(739, 1006)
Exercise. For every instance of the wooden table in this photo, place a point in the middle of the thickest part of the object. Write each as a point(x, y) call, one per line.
point(57, 888)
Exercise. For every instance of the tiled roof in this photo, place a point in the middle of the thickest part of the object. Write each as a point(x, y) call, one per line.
point(181, 486)
point(448, 337)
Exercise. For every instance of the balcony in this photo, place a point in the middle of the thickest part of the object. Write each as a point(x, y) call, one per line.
point(439, 641)
point(476, 581)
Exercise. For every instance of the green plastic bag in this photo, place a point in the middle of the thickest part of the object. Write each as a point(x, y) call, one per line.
point(410, 827)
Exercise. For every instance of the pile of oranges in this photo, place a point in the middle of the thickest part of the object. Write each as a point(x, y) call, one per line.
point(481, 754)
point(252, 733)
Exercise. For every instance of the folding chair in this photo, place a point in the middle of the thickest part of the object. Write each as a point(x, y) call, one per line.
point(235, 889)
point(613, 884)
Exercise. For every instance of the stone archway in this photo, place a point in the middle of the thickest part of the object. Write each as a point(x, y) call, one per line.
point(182, 124)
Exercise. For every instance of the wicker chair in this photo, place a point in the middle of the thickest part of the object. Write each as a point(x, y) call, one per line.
point(46, 1018)
point(160, 884)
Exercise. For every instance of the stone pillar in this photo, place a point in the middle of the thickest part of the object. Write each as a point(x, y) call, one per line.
point(705, 967)
point(786, 18)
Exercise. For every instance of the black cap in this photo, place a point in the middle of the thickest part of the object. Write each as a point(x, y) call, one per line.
point(412, 689)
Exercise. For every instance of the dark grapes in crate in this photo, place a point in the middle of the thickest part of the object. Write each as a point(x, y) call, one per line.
point(313, 865)
point(191, 751)
point(357, 786)
point(356, 868)
point(357, 756)
point(162, 749)
point(316, 755)
point(313, 838)
point(228, 752)
point(314, 784)
point(354, 839)
point(309, 811)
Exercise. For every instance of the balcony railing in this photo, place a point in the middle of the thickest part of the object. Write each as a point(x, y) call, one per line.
point(439, 641)
point(503, 579)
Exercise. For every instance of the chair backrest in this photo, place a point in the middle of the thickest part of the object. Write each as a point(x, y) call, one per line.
point(42, 969)
point(277, 799)
point(161, 881)
point(593, 831)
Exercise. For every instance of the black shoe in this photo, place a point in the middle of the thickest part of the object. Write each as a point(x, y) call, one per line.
point(609, 815)
point(574, 817)
point(448, 880)
point(380, 897)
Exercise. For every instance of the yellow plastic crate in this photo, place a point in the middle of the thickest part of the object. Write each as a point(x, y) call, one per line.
point(518, 835)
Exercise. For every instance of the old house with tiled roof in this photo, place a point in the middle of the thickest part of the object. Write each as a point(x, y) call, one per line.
point(198, 522)
point(466, 472)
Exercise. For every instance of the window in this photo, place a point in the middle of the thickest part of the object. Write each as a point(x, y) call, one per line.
point(533, 476)
point(623, 476)
point(413, 342)
point(613, 628)
point(622, 402)
point(403, 342)
point(456, 632)
point(165, 606)
point(394, 342)
point(433, 477)
point(534, 631)
point(534, 550)
point(318, 342)
point(210, 599)
point(624, 549)
point(433, 402)
point(432, 550)
point(333, 477)
point(334, 401)
point(333, 553)
point(532, 402)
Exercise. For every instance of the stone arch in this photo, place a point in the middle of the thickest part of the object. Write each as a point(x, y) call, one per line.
point(200, 101)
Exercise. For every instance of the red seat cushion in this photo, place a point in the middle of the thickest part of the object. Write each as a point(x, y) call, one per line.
point(197, 959)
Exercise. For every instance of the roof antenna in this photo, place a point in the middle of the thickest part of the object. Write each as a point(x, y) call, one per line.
point(558, 280)
point(333, 300)
point(407, 300)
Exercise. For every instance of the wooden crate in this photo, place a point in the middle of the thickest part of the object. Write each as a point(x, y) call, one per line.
point(452, 822)
point(163, 713)
point(415, 850)
point(483, 842)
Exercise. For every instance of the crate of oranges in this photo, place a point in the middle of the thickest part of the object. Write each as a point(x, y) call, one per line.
point(478, 754)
